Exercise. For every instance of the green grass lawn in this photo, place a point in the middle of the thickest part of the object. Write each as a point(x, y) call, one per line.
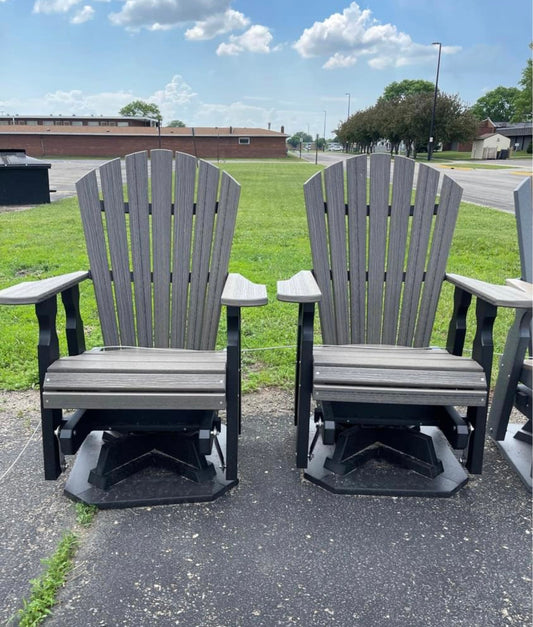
point(270, 243)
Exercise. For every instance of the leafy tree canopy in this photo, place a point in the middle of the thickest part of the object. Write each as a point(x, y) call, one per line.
point(408, 87)
point(298, 137)
point(497, 104)
point(523, 104)
point(176, 124)
point(142, 109)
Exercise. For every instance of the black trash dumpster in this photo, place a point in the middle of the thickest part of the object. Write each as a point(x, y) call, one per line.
point(503, 154)
point(23, 179)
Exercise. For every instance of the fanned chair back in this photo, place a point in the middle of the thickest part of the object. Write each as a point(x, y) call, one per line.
point(159, 259)
point(379, 260)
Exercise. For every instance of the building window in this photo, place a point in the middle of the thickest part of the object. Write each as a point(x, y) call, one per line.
point(31, 122)
point(123, 124)
point(77, 123)
point(93, 123)
point(244, 140)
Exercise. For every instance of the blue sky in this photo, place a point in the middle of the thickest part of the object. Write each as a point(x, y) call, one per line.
point(251, 63)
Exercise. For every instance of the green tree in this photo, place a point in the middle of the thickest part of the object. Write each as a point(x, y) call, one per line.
point(176, 124)
point(523, 104)
point(408, 87)
point(141, 109)
point(298, 137)
point(497, 104)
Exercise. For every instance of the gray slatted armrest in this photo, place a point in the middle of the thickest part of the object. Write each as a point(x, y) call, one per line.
point(239, 292)
point(498, 295)
point(33, 292)
point(300, 288)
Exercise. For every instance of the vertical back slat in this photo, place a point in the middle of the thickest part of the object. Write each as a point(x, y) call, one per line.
point(522, 202)
point(208, 177)
point(225, 227)
point(450, 197)
point(112, 192)
point(316, 220)
point(91, 217)
point(161, 177)
point(378, 217)
point(137, 179)
point(402, 187)
point(356, 168)
point(420, 230)
point(336, 219)
point(186, 168)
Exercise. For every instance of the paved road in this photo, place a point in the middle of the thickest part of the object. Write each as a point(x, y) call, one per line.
point(487, 187)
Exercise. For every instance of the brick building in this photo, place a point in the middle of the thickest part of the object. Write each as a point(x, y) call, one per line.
point(520, 134)
point(54, 140)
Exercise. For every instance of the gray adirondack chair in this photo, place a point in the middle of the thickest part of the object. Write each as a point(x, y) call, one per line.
point(384, 398)
point(514, 382)
point(148, 402)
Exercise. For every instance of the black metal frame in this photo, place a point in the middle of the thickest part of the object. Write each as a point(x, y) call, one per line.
point(127, 441)
point(514, 440)
point(400, 429)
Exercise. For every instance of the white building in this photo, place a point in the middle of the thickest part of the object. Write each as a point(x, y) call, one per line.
point(488, 146)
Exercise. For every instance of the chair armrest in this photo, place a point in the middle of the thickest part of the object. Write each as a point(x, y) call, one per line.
point(523, 286)
point(33, 292)
point(498, 295)
point(300, 288)
point(239, 292)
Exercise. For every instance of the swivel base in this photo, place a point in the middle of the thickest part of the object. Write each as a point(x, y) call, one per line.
point(155, 480)
point(517, 452)
point(385, 474)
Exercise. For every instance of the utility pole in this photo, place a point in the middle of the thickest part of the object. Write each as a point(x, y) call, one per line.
point(432, 127)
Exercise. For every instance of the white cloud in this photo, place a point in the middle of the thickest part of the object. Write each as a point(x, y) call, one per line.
point(217, 25)
point(176, 100)
point(340, 60)
point(83, 15)
point(165, 14)
point(173, 98)
point(256, 39)
point(344, 37)
point(54, 6)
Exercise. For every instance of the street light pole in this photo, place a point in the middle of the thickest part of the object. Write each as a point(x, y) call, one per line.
point(324, 131)
point(432, 127)
point(349, 96)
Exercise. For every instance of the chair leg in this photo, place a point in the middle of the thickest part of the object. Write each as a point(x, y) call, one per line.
point(233, 396)
point(304, 386)
point(53, 458)
point(477, 417)
point(47, 353)
point(509, 374)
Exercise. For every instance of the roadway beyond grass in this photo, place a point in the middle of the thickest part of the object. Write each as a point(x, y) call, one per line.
point(270, 243)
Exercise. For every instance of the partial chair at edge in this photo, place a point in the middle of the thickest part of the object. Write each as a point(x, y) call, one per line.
point(388, 416)
point(146, 428)
point(514, 382)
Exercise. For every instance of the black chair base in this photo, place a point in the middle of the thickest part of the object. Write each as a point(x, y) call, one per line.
point(388, 475)
point(149, 479)
point(517, 452)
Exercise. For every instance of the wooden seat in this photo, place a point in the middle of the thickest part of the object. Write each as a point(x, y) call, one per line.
point(159, 242)
point(138, 379)
point(381, 393)
point(513, 385)
point(391, 374)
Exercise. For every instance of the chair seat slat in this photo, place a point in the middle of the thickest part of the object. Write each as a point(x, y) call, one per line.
point(147, 381)
point(398, 377)
point(391, 357)
point(406, 396)
point(132, 400)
